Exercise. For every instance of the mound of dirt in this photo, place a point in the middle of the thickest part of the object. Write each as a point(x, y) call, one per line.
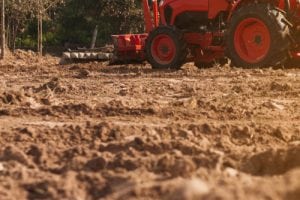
point(53, 85)
point(22, 58)
point(272, 162)
point(24, 55)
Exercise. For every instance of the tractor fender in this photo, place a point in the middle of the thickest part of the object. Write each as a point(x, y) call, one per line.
point(237, 4)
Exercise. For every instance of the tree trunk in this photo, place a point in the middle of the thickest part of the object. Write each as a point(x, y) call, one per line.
point(7, 33)
point(94, 39)
point(40, 29)
point(40, 34)
point(3, 30)
point(13, 29)
point(14, 36)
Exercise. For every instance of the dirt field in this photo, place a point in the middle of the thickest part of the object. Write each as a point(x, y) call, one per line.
point(92, 131)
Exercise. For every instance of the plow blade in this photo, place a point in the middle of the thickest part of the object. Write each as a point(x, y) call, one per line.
point(86, 55)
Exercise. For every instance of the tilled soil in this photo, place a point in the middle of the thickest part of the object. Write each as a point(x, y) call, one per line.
point(93, 131)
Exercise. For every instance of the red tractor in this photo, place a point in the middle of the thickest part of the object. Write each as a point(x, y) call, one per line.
point(251, 33)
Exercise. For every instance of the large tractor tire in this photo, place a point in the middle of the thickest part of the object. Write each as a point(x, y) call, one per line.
point(258, 36)
point(166, 48)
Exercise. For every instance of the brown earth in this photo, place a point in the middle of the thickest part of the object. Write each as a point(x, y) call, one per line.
point(92, 131)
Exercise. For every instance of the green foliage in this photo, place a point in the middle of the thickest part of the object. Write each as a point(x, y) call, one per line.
point(27, 42)
point(78, 19)
point(74, 21)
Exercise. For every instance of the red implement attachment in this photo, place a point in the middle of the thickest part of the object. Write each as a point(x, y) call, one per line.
point(129, 47)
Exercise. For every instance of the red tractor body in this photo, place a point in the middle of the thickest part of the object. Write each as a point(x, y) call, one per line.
point(171, 9)
point(260, 33)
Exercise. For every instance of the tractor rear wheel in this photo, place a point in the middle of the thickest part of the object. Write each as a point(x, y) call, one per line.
point(258, 36)
point(166, 48)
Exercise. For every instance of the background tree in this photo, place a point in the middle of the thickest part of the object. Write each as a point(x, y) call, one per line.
point(70, 22)
point(41, 9)
point(78, 19)
point(21, 12)
point(17, 14)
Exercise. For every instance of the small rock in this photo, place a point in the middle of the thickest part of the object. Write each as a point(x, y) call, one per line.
point(32, 103)
point(261, 71)
point(273, 105)
point(277, 106)
point(194, 188)
point(207, 128)
point(138, 141)
point(2, 168)
point(231, 172)
point(191, 103)
point(123, 92)
point(96, 164)
point(4, 112)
